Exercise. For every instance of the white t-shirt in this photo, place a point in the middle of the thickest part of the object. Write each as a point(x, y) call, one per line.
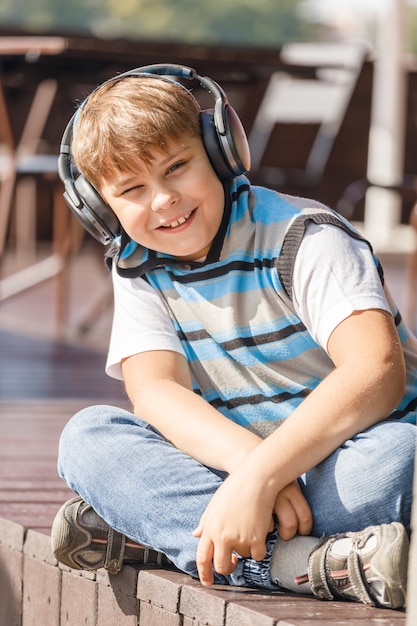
point(334, 275)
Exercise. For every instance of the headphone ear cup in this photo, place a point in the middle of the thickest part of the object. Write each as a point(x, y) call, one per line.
point(212, 145)
point(94, 214)
point(229, 154)
point(237, 141)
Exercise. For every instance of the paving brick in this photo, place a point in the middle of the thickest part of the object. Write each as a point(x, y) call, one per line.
point(296, 610)
point(117, 601)
point(125, 581)
point(151, 615)
point(161, 588)
point(203, 605)
point(11, 573)
point(78, 572)
point(41, 592)
point(78, 601)
point(12, 535)
point(116, 610)
point(252, 607)
point(237, 615)
point(38, 546)
point(304, 621)
point(187, 621)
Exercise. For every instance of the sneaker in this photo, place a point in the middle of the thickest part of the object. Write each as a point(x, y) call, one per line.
point(81, 539)
point(369, 566)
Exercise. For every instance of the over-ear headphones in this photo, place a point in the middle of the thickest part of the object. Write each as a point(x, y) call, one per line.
point(223, 137)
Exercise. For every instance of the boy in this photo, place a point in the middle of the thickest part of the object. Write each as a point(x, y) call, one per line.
point(272, 380)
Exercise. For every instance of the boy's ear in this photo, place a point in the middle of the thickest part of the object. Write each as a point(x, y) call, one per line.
point(227, 151)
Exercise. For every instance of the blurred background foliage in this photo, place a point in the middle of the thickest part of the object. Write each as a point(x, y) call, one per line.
point(264, 23)
point(251, 23)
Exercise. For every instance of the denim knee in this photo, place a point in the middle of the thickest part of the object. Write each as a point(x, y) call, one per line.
point(396, 443)
point(368, 480)
point(83, 434)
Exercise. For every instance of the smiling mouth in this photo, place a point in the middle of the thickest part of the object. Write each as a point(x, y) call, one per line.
point(179, 222)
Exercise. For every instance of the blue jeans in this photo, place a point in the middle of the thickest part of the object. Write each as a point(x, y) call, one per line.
point(145, 488)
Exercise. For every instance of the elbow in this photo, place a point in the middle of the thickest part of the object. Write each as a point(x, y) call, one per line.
point(394, 382)
point(383, 382)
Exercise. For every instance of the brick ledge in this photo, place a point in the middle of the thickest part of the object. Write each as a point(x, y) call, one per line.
point(36, 589)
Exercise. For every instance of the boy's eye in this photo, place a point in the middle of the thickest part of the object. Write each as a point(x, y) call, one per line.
point(175, 166)
point(132, 188)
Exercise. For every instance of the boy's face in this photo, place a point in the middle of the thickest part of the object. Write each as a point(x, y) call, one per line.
point(174, 204)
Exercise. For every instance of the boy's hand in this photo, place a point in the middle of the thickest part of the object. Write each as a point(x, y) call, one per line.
point(238, 519)
point(293, 512)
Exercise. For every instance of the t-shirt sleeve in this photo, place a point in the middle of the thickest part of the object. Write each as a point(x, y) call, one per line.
point(334, 275)
point(141, 323)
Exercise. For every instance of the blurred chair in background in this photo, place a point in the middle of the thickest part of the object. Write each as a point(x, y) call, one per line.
point(22, 167)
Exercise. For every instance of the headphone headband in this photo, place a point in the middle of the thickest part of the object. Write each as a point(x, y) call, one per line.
point(222, 133)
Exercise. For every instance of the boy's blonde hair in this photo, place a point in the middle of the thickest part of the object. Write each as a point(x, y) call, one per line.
point(123, 121)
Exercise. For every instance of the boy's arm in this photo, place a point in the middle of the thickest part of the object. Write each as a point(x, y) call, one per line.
point(159, 385)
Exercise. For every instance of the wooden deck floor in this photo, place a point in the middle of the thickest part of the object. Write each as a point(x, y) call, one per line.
point(44, 379)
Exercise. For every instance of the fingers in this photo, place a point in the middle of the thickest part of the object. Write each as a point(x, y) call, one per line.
point(204, 560)
point(287, 520)
point(198, 531)
point(305, 520)
point(222, 558)
point(293, 513)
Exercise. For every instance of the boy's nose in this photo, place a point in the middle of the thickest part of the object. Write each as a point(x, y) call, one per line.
point(164, 199)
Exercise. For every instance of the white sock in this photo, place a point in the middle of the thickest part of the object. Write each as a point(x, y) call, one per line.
point(290, 561)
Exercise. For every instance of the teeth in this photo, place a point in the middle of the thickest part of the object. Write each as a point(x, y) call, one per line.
point(179, 221)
